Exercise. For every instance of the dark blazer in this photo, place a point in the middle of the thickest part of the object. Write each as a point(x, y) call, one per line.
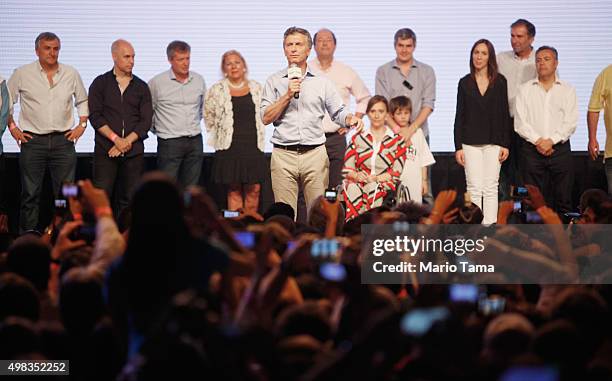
point(482, 119)
point(130, 112)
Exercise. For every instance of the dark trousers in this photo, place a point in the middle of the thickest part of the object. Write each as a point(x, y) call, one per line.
point(51, 151)
point(335, 144)
point(608, 168)
point(118, 176)
point(3, 207)
point(556, 170)
point(181, 158)
point(511, 173)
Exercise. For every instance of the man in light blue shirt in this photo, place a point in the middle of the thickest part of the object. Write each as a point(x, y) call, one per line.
point(178, 106)
point(296, 106)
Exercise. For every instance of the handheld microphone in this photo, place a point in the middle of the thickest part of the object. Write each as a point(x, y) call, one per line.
point(294, 72)
point(407, 84)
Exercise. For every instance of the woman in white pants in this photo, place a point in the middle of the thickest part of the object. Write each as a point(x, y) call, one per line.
point(482, 127)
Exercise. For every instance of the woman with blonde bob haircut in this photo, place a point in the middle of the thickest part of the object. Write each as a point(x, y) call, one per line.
point(236, 131)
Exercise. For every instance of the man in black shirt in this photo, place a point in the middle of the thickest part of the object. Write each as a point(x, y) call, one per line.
point(121, 112)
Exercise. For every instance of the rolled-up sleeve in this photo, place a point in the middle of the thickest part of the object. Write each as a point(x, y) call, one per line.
point(336, 108)
point(80, 96)
point(429, 89)
point(268, 96)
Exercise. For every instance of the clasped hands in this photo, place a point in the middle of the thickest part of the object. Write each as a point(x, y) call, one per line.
point(122, 145)
point(362, 177)
point(544, 146)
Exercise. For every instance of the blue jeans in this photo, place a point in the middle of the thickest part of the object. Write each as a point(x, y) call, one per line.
point(181, 158)
point(51, 151)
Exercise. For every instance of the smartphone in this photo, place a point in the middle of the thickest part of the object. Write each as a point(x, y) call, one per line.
point(463, 293)
point(492, 305)
point(331, 195)
point(60, 204)
point(246, 239)
point(231, 213)
point(531, 373)
point(518, 205)
point(70, 190)
point(532, 217)
point(325, 249)
point(419, 321)
point(520, 192)
point(333, 272)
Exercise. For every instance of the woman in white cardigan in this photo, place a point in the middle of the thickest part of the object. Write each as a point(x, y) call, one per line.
point(237, 133)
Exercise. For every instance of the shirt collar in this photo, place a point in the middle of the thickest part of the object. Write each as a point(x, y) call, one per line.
point(536, 81)
point(308, 73)
point(531, 55)
point(173, 76)
point(415, 63)
point(388, 132)
point(317, 64)
point(115, 74)
point(40, 68)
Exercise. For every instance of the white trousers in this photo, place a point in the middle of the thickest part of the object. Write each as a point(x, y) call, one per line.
point(482, 168)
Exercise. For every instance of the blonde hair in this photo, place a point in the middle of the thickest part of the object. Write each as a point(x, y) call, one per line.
point(232, 53)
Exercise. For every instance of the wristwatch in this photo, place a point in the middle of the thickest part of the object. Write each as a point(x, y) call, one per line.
point(83, 124)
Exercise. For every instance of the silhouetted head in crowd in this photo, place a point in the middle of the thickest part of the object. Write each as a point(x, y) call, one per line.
point(412, 211)
point(19, 339)
point(18, 297)
point(507, 335)
point(591, 198)
point(79, 257)
point(470, 215)
point(318, 220)
point(587, 310)
point(158, 227)
point(559, 342)
point(29, 257)
point(284, 221)
point(279, 208)
point(81, 302)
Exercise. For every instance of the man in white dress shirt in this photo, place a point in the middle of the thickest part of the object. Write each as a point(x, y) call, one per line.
point(518, 66)
point(546, 117)
point(48, 92)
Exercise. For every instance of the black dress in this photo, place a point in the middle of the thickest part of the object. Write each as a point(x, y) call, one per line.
point(242, 162)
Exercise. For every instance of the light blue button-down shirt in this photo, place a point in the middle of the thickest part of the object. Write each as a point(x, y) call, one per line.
point(177, 107)
point(302, 120)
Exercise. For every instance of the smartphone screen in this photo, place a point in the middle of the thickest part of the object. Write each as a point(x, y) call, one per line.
point(463, 293)
point(70, 190)
point(231, 214)
point(246, 239)
point(418, 321)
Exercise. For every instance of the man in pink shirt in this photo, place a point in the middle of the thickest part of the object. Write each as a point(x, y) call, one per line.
point(348, 83)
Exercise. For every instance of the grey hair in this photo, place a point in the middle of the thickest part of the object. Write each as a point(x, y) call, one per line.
point(46, 36)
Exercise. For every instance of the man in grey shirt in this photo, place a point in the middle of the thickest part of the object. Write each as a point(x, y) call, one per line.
point(178, 105)
point(411, 78)
point(406, 76)
point(47, 91)
point(296, 105)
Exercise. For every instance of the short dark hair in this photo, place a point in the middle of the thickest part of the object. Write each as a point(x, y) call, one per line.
point(403, 34)
point(377, 99)
point(546, 47)
point(46, 36)
point(296, 30)
point(400, 102)
point(177, 46)
point(531, 29)
point(314, 38)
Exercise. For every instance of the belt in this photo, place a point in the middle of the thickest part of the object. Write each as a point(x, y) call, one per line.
point(299, 148)
point(47, 134)
point(182, 137)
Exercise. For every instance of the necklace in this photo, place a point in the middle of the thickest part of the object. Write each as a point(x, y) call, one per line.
point(238, 86)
